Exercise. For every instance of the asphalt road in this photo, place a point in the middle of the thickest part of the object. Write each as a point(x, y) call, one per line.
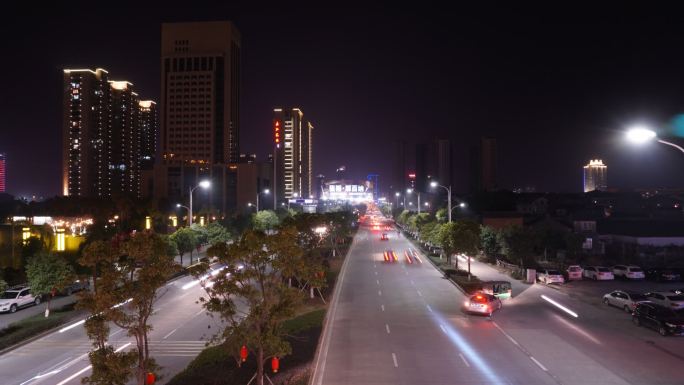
point(400, 323)
point(56, 303)
point(180, 330)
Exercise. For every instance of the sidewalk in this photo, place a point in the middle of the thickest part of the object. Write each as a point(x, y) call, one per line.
point(195, 256)
point(486, 272)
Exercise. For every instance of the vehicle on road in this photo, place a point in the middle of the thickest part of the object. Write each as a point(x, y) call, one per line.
point(624, 299)
point(548, 276)
point(383, 237)
point(628, 271)
point(678, 290)
point(16, 298)
point(499, 289)
point(77, 285)
point(671, 300)
point(654, 316)
point(574, 272)
point(482, 303)
point(660, 275)
point(390, 256)
point(598, 273)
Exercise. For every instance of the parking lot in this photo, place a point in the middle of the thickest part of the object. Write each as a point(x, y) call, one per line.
point(592, 291)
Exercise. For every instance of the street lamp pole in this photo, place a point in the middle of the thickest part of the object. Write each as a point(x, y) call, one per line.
point(448, 189)
point(204, 184)
point(418, 192)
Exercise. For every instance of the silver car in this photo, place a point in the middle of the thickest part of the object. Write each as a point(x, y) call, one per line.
point(16, 298)
point(626, 300)
point(669, 300)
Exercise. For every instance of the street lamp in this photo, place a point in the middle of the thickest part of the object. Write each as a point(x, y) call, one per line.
point(396, 196)
point(205, 184)
point(185, 207)
point(642, 134)
point(410, 191)
point(434, 184)
point(266, 191)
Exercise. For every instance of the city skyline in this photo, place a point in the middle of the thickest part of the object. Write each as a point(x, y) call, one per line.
point(494, 91)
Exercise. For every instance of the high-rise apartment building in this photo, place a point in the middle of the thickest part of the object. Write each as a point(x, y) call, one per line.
point(102, 135)
point(199, 112)
point(442, 161)
point(149, 125)
point(294, 154)
point(483, 163)
point(595, 176)
point(3, 173)
point(399, 170)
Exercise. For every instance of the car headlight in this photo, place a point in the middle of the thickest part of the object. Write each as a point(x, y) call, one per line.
point(669, 325)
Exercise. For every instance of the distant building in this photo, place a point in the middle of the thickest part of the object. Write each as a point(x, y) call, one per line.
point(421, 170)
point(252, 178)
point(347, 191)
point(595, 176)
point(442, 162)
point(294, 152)
point(247, 158)
point(318, 186)
point(399, 169)
point(483, 164)
point(102, 135)
point(199, 113)
point(149, 127)
point(3, 173)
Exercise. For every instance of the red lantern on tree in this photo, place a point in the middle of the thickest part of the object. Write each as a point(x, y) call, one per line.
point(243, 353)
point(275, 364)
point(150, 378)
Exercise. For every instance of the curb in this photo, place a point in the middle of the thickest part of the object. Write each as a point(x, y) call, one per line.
point(40, 335)
point(437, 268)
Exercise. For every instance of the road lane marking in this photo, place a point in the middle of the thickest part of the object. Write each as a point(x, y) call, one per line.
point(382, 307)
point(88, 367)
point(171, 332)
point(199, 312)
point(394, 358)
point(406, 272)
point(539, 364)
point(429, 308)
point(419, 294)
point(376, 273)
point(387, 328)
point(443, 328)
point(506, 334)
point(380, 293)
point(412, 283)
point(464, 360)
point(556, 304)
point(378, 282)
point(374, 266)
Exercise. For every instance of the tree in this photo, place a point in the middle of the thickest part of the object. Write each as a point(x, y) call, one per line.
point(216, 233)
point(201, 233)
point(48, 273)
point(404, 217)
point(185, 240)
point(461, 237)
point(3, 285)
point(442, 215)
point(265, 220)
point(260, 285)
point(518, 244)
point(490, 240)
point(109, 367)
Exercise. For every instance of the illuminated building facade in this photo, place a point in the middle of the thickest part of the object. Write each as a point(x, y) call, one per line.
point(149, 125)
point(199, 112)
point(101, 135)
point(347, 191)
point(3, 173)
point(293, 138)
point(595, 176)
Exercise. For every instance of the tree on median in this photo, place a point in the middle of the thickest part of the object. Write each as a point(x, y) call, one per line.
point(265, 299)
point(265, 220)
point(185, 240)
point(48, 273)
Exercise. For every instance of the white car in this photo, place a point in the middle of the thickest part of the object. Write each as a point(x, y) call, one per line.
point(670, 300)
point(17, 298)
point(482, 303)
point(628, 271)
point(625, 300)
point(598, 273)
point(550, 276)
point(574, 272)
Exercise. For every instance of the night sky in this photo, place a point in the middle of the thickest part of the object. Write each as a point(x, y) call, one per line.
point(554, 86)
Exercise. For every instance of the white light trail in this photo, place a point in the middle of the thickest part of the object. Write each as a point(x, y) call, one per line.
point(556, 304)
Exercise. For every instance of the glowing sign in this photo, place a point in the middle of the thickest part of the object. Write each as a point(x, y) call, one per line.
point(276, 131)
point(61, 245)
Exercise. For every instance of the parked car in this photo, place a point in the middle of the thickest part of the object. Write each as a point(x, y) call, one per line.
point(77, 285)
point(671, 300)
point(661, 275)
point(598, 273)
point(383, 237)
point(664, 320)
point(550, 276)
point(573, 272)
point(678, 290)
point(16, 298)
point(628, 271)
point(482, 303)
point(626, 300)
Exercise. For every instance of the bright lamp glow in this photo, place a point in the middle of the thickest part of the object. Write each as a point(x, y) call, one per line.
point(433, 184)
point(266, 191)
point(178, 205)
point(396, 194)
point(205, 184)
point(461, 205)
point(640, 135)
point(409, 190)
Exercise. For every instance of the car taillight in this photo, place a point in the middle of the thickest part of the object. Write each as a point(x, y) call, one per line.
point(466, 303)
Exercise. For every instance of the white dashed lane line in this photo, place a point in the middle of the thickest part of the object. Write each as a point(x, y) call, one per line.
point(394, 358)
point(464, 359)
point(387, 328)
point(382, 307)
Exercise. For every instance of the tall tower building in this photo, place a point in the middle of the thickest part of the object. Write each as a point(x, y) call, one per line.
point(101, 135)
point(3, 173)
point(124, 140)
point(149, 124)
point(483, 163)
point(595, 176)
point(200, 111)
point(85, 159)
point(442, 162)
point(294, 154)
point(421, 181)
